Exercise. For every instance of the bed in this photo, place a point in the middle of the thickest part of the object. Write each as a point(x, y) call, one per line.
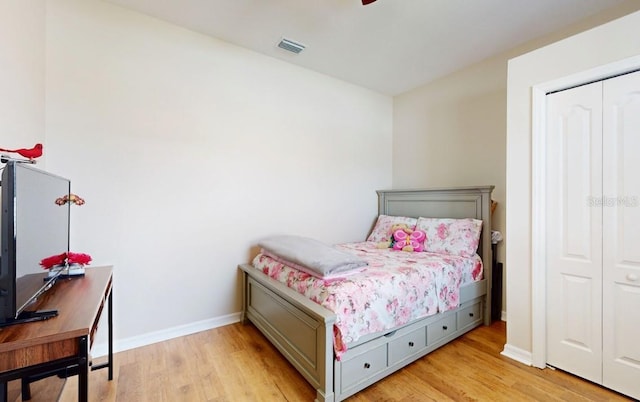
point(304, 331)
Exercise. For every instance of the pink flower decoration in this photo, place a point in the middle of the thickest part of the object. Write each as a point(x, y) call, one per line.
point(442, 231)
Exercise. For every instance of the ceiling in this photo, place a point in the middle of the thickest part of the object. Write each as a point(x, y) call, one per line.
point(389, 46)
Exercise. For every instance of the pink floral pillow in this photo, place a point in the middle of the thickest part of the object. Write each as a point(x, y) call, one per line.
point(382, 230)
point(451, 236)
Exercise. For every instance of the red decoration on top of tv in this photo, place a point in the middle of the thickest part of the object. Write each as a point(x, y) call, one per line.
point(29, 153)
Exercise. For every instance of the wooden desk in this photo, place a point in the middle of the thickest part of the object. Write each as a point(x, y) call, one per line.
point(31, 349)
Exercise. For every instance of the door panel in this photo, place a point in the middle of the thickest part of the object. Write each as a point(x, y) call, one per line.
point(621, 246)
point(574, 231)
point(577, 320)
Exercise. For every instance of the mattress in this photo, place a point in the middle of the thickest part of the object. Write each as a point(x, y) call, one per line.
point(396, 287)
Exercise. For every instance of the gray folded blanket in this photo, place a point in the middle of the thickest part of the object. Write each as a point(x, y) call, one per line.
point(321, 259)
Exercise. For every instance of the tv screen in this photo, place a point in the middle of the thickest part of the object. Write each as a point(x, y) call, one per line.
point(33, 226)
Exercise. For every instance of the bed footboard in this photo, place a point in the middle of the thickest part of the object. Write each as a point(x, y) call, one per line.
point(299, 328)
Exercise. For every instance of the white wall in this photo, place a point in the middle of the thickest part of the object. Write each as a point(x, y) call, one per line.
point(571, 60)
point(188, 150)
point(451, 132)
point(22, 72)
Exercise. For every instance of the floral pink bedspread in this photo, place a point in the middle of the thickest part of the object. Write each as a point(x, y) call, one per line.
point(396, 288)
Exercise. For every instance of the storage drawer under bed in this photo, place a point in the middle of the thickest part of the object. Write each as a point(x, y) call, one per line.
point(407, 345)
point(362, 367)
point(441, 328)
point(469, 316)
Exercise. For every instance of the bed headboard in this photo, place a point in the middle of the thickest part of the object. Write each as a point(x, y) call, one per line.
point(446, 202)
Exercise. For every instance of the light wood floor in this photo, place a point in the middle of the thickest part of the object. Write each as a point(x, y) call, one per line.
point(236, 363)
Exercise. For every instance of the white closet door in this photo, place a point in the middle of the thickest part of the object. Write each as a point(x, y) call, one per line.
point(621, 252)
point(574, 236)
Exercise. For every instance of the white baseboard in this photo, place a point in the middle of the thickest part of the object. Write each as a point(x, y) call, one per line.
point(121, 345)
point(517, 354)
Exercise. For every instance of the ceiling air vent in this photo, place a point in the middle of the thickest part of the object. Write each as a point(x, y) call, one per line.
point(291, 46)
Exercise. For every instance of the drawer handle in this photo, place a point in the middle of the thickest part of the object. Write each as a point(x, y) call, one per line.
point(444, 327)
point(470, 314)
point(367, 365)
point(411, 344)
point(632, 277)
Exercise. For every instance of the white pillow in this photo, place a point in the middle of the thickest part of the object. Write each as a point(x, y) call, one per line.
point(451, 236)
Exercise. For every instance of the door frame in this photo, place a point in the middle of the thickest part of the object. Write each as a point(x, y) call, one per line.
point(538, 192)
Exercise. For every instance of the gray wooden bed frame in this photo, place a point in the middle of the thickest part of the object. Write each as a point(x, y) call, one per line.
point(302, 330)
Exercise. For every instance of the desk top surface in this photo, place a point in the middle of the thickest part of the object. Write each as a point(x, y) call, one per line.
point(78, 301)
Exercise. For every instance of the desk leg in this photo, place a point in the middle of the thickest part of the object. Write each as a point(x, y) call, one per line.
point(3, 391)
point(83, 370)
point(110, 325)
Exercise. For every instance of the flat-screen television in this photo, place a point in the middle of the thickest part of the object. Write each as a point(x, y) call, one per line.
point(34, 225)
